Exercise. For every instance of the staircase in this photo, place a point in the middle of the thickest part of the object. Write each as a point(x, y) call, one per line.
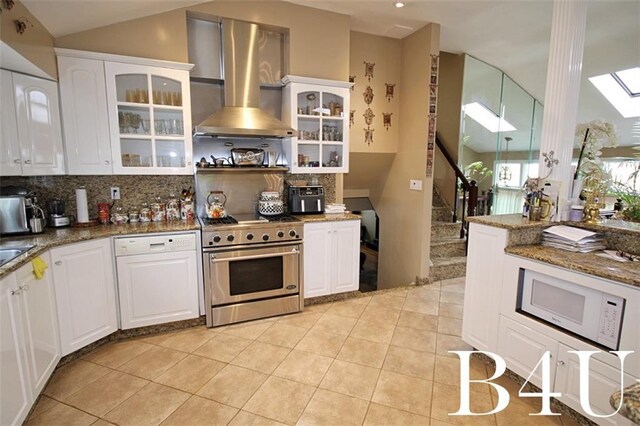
point(448, 258)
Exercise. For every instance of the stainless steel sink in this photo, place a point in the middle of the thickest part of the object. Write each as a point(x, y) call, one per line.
point(7, 254)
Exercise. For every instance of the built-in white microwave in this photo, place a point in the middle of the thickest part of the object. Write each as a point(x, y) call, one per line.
point(584, 311)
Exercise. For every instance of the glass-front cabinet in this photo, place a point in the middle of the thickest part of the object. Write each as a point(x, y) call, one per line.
point(149, 118)
point(319, 111)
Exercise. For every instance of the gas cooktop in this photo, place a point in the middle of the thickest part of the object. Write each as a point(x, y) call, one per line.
point(247, 219)
point(250, 229)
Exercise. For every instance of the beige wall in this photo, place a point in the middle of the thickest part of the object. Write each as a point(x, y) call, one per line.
point(35, 44)
point(319, 40)
point(385, 53)
point(405, 216)
point(368, 172)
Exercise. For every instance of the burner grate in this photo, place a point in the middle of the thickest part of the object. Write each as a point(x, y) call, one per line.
point(219, 221)
point(282, 218)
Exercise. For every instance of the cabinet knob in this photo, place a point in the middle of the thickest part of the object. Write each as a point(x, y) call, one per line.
point(17, 161)
point(27, 161)
point(58, 262)
point(107, 162)
point(560, 363)
point(188, 163)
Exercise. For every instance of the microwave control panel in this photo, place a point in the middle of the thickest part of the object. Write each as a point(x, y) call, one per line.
point(611, 312)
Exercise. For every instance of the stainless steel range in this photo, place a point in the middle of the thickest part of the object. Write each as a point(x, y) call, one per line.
point(252, 267)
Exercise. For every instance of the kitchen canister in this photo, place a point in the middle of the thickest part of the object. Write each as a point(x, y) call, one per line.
point(187, 210)
point(158, 213)
point(103, 212)
point(172, 209)
point(145, 213)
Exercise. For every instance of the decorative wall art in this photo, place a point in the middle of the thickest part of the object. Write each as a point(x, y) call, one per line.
point(386, 119)
point(433, 100)
point(368, 70)
point(352, 113)
point(368, 95)
point(389, 91)
point(368, 116)
point(368, 135)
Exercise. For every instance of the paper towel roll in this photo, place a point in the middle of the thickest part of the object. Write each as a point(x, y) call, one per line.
point(81, 203)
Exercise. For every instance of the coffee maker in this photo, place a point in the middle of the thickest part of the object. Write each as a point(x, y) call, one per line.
point(57, 217)
point(19, 213)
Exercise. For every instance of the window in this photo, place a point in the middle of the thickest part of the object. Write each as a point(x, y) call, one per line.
point(621, 90)
point(625, 171)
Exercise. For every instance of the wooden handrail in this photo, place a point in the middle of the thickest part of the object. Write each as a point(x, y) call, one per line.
point(459, 174)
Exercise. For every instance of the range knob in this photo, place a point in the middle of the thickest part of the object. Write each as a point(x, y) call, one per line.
point(249, 236)
point(292, 233)
point(230, 238)
point(280, 234)
point(265, 237)
point(216, 239)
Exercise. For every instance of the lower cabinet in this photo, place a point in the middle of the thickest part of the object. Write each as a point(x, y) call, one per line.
point(85, 292)
point(331, 257)
point(29, 339)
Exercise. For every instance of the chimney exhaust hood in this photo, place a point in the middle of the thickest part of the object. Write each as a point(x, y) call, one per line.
point(241, 116)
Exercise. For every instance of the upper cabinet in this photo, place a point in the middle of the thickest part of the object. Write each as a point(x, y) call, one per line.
point(31, 141)
point(319, 111)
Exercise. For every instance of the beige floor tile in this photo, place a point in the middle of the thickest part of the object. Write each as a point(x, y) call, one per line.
point(150, 406)
point(347, 309)
point(364, 300)
point(303, 367)
point(188, 340)
point(62, 414)
point(413, 338)
point(73, 377)
point(335, 324)
point(113, 355)
point(380, 315)
point(364, 352)
point(303, 320)
point(152, 363)
point(400, 291)
point(446, 399)
point(447, 372)
point(388, 301)
point(426, 292)
point(452, 297)
point(453, 284)
point(201, 411)
point(450, 310)
point(403, 392)
point(262, 357)
point(249, 330)
point(223, 347)
point(318, 308)
point(518, 412)
point(233, 386)
point(435, 422)
point(449, 326)
point(244, 418)
point(423, 306)
point(101, 396)
point(417, 320)
point(446, 343)
point(102, 422)
point(44, 403)
point(283, 335)
point(191, 373)
point(321, 343)
point(330, 408)
point(410, 362)
point(280, 399)
point(379, 415)
point(350, 379)
point(375, 332)
point(156, 339)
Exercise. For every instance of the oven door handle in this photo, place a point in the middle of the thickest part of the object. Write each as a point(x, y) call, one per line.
point(293, 252)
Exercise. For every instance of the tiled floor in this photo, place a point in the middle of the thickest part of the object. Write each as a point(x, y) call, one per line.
point(379, 360)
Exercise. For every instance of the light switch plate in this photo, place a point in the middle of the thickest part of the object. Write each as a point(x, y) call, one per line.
point(115, 193)
point(415, 185)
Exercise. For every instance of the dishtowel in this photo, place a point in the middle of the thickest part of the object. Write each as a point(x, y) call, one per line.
point(39, 267)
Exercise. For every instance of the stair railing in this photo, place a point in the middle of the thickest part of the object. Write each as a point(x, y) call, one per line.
point(469, 189)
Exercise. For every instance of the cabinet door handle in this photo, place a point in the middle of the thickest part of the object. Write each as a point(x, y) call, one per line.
point(27, 161)
point(17, 161)
point(107, 162)
point(58, 262)
point(19, 290)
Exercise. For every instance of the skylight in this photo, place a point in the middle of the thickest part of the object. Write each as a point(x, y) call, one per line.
point(487, 118)
point(622, 90)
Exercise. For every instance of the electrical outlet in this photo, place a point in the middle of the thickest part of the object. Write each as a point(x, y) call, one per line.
point(115, 193)
point(415, 185)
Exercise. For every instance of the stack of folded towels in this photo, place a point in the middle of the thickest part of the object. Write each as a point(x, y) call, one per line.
point(334, 208)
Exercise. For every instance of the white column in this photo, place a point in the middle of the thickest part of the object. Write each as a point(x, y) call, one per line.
point(563, 86)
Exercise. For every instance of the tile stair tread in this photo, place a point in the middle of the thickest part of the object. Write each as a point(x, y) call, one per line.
point(447, 240)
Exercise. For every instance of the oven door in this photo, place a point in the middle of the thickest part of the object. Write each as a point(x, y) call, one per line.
point(249, 273)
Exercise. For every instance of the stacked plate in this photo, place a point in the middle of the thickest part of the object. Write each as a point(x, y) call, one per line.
point(270, 203)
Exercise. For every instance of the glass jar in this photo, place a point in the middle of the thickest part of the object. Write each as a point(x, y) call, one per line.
point(119, 216)
point(134, 215)
point(104, 214)
point(145, 213)
point(158, 210)
point(173, 208)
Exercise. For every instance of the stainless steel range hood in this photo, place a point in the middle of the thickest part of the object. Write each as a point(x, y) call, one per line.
point(241, 115)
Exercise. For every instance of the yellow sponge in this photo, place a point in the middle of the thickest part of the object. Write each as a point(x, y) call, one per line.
point(39, 267)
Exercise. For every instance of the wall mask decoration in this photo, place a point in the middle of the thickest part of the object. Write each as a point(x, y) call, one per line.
point(389, 92)
point(386, 119)
point(368, 95)
point(352, 113)
point(368, 116)
point(368, 70)
point(352, 79)
point(368, 135)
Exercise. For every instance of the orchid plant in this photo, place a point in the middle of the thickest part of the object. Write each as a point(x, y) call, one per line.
point(595, 135)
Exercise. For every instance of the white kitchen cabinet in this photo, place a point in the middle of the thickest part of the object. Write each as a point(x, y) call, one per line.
point(39, 149)
point(319, 111)
point(85, 292)
point(84, 116)
point(485, 259)
point(149, 119)
point(30, 346)
point(331, 257)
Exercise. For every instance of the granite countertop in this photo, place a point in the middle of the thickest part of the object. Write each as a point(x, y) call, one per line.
point(508, 221)
point(328, 217)
point(589, 263)
point(53, 237)
point(630, 403)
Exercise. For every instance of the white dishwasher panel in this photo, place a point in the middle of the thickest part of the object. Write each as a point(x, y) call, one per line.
point(156, 288)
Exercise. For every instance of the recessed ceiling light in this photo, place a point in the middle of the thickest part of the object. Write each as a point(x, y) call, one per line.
point(621, 89)
point(487, 118)
point(399, 4)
